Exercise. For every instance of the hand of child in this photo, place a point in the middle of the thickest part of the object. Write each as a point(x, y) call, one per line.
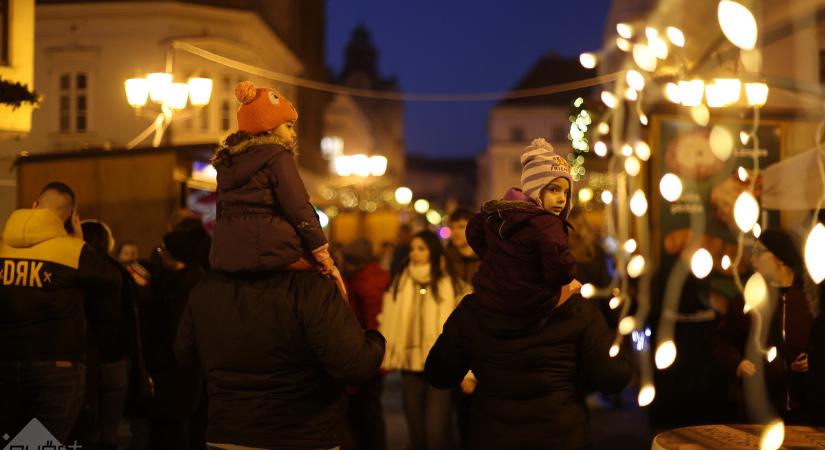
point(469, 383)
point(321, 254)
point(800, 364)
point(746, 369)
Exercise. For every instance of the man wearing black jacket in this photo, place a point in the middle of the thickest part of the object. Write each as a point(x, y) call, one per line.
point(47, 270)
point(278, 349)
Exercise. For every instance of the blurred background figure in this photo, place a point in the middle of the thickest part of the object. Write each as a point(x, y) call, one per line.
point(402, 249)
point(366, 283)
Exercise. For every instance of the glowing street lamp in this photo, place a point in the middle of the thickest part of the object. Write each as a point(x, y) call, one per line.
point(137, 92)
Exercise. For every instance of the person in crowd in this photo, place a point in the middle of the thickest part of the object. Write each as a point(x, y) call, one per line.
point(127, 253)
point(522, 239)
point(776, 256)
point(265, 221)
point(415, 307)
point(386, 255)
point(465, 264)
point(277, 349)
point(107, 378)
point(366, 283)
point(177, 386)
point(402, 249)
point(47, 271)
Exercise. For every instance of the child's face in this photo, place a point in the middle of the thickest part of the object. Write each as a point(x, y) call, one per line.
point(419, 253)
point(287, 132)
point(554, 196)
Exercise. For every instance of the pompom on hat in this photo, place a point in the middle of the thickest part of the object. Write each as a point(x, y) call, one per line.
point(262, 109)
point(541, 165)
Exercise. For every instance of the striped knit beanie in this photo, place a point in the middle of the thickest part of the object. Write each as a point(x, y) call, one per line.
point(541, 165)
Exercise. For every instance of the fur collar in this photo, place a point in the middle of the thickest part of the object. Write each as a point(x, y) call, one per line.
point(493, 206)
point(240, 142)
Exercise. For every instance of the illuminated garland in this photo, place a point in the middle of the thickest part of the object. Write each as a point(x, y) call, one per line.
point(580, 121)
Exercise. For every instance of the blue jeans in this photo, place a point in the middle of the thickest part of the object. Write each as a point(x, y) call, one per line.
point(51, 391)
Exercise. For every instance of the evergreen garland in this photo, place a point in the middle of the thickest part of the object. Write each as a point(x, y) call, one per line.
point(15, 94)
point(580, 120)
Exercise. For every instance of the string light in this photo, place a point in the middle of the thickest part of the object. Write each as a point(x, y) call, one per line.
point(644, 57)
point(701, 263)
point(756, 93)
point(665, 354)
point(614, 350)
point(624, 30)
point(737, 23)
point(671, 187)
point(636, 266)
point(745, 211)
point(635, 80)
point(614, 302)
point(607, 197)
point(588, 290)
point(691, 92)
point(638, 203)
point(627, 325)
point(771, 355)
point(814, 255)
point(600, 148)
point(627, 150)
point(673, 93)
point(632, 166)
point(676, 36)
point(721, 142)
point(742, 173)
point(756, 291)
point(772, 436)
point(646, 395)
point(608, 99)
point(642, 150)
point(629, 246)
point(726, 262)
point(587, 60)
point(623, 44)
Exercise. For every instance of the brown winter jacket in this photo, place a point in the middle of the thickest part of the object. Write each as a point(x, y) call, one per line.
point(265, 220)
point(525, 260)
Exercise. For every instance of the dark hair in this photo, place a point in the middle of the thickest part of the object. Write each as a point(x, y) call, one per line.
point(461, 214)
point(59, 187)
point(437, 255)
point(189, 224)
point(96, 235)
point(122, 244)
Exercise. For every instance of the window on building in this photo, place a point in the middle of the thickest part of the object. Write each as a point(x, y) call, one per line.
point(226, 121)
point(73, 107)
point(4, 32)
point(517, 134)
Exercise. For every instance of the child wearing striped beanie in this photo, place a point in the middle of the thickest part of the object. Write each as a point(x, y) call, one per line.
point(524, 235)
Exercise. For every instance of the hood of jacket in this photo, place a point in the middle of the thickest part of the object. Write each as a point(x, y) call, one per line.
point(504, 216)
point(29, 227)
point(241, 156)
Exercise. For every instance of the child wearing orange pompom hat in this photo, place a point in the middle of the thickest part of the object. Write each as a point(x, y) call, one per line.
point(265, 220)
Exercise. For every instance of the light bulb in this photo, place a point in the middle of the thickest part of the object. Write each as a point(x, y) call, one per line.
point(614, 350)
point(642, 150)
point(434, 217)
point(603, 128)
point(403, 195)
point(701, 263)
point(756, 93)
point(737, 23)
point(600, 148)
point(624, 30)
point(756, 291)
point(658, 46)
point(745, 211)
point(631, 94)
point(676, 36)
point(646, 395)
point(673, 93)
point(137, 91)
point(629, 246)
point(608, 99)
point(623, 44)
point(627, 325)
point(638, 203)
point(726, 262)
point(771, 355)
point(587, 60)
point(665, 354)
point(757, 231)
point(700, 114)
point(643, 119)
point(632, 166)
point(607, 197)
point(421, 206)
point(627, 150)
point(644, 57)
point(588, 290)
point(671, 187)
point(721, 142)
point(585, 195)
point(814, 254)
point(742, 173)
point(691, 92)
point(635, 80)
point(772, 436)
point(636, 266)
point(614, 302)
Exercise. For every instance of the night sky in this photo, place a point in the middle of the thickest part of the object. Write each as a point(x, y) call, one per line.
point(453, 46)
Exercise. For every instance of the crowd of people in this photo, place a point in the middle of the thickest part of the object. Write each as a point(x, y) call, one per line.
point(264, 335)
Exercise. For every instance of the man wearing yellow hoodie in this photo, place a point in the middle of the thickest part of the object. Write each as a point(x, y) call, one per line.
point(46, 270)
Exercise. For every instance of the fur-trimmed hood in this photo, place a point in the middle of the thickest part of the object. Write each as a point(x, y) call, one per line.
point(242, 155)
point(239, 142)
point(505, 215)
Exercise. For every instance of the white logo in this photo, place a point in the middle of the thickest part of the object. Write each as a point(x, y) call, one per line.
point(34, 436)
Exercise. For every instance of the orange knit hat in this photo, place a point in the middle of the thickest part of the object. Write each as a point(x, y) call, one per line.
point(262, 109)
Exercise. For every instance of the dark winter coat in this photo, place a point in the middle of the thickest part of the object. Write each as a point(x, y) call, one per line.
point(786, 388)
point(366, 293)
point(277, 349)
point(265, 220)
point(45, 276)
point(177, 386)
point(525, 258)
point(816, 373)
point(531, 373)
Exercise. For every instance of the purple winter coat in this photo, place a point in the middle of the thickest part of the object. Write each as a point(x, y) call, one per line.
point(265, 220)
point(525, 259)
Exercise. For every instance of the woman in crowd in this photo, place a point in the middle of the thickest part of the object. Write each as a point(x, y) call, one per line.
point(419, 300)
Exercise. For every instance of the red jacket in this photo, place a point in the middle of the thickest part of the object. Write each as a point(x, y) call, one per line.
point(525, 259)
point(366, 293)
